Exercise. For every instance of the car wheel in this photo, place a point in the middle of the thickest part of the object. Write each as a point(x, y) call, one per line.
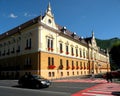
point(47, 86)
point(21, 85)
point(37, 86)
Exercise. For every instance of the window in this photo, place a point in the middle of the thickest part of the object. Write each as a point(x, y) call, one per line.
point(76, 52)
point(60, 61)
point(67, 73)
point(28, 63)
point(84, 65)
point(53, 74)
point(13, 50)
point(72, 51)
point(50, 44)
point(84, 53)
point(48, 61)
point(49, 21)
point(51, 63)
point(88, 66)
point(81, 65)
point(49, 74)
point(73, 73)
point(61, 48)
point(61, 64)
point(73, 65)
point(77, 72)
point(28, 43)
point(67, 49)
point(61, 73)
point(77, 67)
point(67, 65)
point(8, 52)
point(18, 49)
point(80, 52)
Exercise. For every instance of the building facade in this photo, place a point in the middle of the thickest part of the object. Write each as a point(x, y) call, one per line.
point(40, 46)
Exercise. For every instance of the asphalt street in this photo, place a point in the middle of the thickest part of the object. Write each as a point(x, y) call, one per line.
point(11, 88)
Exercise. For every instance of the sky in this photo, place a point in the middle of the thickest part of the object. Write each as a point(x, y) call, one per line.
point(80, 16)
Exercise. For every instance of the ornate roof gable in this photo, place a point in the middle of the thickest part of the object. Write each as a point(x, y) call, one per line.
point(49, 18)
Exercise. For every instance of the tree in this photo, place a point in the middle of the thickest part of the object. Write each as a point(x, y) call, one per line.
point(115, 56)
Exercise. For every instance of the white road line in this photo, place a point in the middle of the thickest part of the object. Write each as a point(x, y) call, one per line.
point(102, 91)
point(93, 94)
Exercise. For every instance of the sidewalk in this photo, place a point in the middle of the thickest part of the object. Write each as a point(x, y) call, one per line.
point(101, 89)
point(105, 89)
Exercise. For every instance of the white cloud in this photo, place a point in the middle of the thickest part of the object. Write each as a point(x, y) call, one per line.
point(28, 15)
point(13, 15)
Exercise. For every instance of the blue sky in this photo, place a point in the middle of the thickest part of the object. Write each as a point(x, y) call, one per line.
point(80, 16)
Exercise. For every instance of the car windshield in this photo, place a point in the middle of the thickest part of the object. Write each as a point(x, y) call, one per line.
point(37, 77)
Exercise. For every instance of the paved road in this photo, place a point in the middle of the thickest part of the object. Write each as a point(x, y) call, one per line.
point(10, 91)
point(10, 88)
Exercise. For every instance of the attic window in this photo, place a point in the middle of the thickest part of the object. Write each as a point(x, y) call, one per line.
point(49, 21)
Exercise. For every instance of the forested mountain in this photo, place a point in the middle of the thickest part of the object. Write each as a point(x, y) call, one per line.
point(113, 46)
point(104, 44)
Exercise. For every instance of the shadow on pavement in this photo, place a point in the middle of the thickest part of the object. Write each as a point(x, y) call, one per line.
point(18, 86)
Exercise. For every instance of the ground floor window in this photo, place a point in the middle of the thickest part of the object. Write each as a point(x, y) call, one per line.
point(67, 73)
point(51, 74)
point(61, 73)
point(73, 73)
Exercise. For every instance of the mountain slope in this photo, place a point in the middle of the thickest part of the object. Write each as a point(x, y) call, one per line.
point(104, 44)
point(113, 46)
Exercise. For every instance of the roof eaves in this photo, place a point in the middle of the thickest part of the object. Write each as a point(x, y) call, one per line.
point(20, 27)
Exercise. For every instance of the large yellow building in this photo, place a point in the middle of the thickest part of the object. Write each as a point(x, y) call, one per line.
point(42, 47)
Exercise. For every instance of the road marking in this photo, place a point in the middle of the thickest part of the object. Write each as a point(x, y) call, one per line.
point(93, 94)
point(102, 91)
point(99, 90)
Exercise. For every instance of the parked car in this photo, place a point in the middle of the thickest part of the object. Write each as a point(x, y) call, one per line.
point(33, 81)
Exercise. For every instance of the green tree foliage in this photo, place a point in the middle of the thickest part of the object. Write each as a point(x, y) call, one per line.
point(113, 45)
point(115, 56)
point(107, 44)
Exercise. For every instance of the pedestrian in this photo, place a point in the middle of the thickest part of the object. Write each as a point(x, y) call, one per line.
point(109, 77)
point(92, 77)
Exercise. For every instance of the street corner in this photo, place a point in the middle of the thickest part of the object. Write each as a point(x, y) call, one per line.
point(105, 89)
